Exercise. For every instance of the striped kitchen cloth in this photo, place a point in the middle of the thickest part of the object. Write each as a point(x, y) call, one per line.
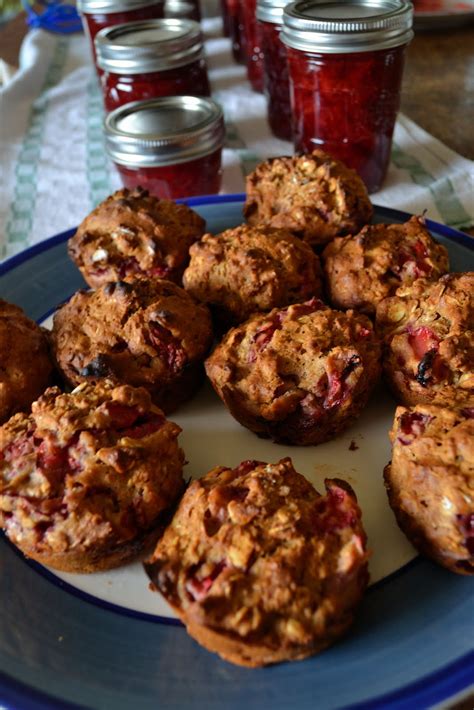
point(54, 169)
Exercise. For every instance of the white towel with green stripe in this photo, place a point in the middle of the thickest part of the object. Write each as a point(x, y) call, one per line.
point(54, 169)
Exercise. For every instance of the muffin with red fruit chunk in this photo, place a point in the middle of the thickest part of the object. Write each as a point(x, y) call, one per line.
point(315, 196)
point(144, 333)
point(259, 566)
point(26, 368)
point(428, 333)
point(430, 482)
point(249, 269)
point(135, 235)
point(363, 269)
point(299, 375)
point(87, 479)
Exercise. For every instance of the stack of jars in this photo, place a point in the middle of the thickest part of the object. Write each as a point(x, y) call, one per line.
point(162, 130)
point(331, 71)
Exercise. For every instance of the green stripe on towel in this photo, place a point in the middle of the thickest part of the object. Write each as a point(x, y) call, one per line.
point(20, 219)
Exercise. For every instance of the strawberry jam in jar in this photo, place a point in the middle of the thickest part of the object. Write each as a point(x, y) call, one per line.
point(345, 62)
point(253, 42)
point(170, 146)
point(97, 14)
point(145, 60)
point(275, 67)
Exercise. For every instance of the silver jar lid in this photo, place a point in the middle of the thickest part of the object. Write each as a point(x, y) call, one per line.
point(107, 7)
point(271, 11)
point(164, 131)
point(148, 45)
point(331, 26)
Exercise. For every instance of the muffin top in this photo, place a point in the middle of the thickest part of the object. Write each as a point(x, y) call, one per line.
point(314, 196)
point(363, 269)
point(257, 554)
point(25, 364)
point(87, 468)
point(428, 330)
point(249, 269)
point(132, 235)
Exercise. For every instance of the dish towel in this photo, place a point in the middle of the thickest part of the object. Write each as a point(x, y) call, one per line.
point(54, 169)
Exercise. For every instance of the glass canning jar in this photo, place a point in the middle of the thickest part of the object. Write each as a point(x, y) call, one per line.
point(170, 146)
point(275, 67)
point(145, 60)
point(236, 30)
point(97, 14)
point(346, 63)
point(253, 42)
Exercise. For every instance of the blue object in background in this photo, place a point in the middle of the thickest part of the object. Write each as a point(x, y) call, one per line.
point(55, 16)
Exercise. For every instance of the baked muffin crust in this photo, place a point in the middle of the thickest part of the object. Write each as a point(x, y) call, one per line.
point(259, 566)
point(314, 196)
point(133, 234)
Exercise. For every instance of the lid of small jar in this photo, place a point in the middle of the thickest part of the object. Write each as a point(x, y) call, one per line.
point(148, 45)
point(271, 10)
point(331, 26)
point(164, 131)
point(107, 7)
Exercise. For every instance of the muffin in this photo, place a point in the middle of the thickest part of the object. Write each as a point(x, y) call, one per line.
point(26, 366)
point(135, 235)
point(249, 269)
point(145, 333)
point(259, 566)
point(430, 482)
point(363, 269)
point(87, 479)
point(299, 375)
point(428, 334)
point(314, 196)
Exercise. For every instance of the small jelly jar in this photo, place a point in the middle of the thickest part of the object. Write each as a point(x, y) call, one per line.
point(97, 14)
point(345, 62)
point(145, 60)
point(275, 67)
point(170, 146)
point(253, 42)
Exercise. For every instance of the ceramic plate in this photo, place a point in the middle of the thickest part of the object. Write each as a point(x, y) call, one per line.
point(442, 14)
point(107, 641)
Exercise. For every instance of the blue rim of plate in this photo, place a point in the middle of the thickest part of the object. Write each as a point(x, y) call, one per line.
point(426, 691)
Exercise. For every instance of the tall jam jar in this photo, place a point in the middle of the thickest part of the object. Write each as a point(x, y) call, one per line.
point(97, 14)
point(346, 63)
point(253, 43)
point(170, 146)
point(275, 67)
point(145, 60)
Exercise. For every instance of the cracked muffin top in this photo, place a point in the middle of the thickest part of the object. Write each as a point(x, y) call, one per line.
point(135, 235)
point(314, 196)
point(363, 269)
point(260, 567)
point(250, 269)
point(144, 333)
point(428, 333)
point(26, 368)
point(87, 474)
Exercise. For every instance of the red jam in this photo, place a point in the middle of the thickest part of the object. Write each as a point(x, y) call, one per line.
point(202, 176)
point(225, 18)
point(276, 81)
point(236, 30)
point(119, 89)
point(347, 105)
point(253, 41)
point(93, 22)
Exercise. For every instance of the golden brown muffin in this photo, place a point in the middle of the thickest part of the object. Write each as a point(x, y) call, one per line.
point(428, 334)
point(145, 333)
point(250, 269)
point(299, 375)
point(363, 269)
point(259, 566)
point(26, 368)
point(133, 234)
point(314, 196)
point(87, 478)
point(430, 482)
